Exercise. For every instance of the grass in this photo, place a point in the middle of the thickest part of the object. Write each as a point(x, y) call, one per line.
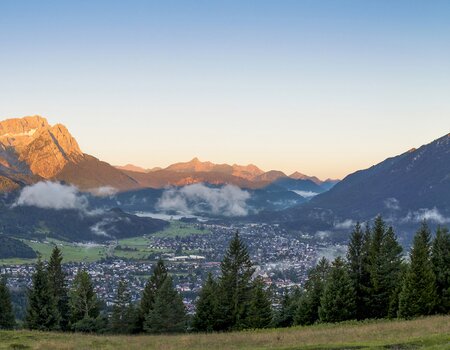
point(180, 229)
point(426, 333)
point(71, 252)
point(77, 253)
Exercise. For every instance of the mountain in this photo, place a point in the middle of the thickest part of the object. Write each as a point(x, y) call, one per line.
point(248, 172)
point(299, 176)
point(29, 222)
point(244, 176)
point(32, 150)
point(196, 171)
point(405, 189)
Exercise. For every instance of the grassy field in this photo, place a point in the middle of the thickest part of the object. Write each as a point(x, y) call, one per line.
point(427, 333)
point(139, 246)
point(71, 252)
point(180, 229)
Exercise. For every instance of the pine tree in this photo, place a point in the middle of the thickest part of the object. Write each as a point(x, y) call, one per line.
point(391, 269)
point(168, 314)
point(42, 313)
point(83, 302)
point(418, 295)
point(308, 306)
point(260, 311)
point(122, 315)
point(7, 320)
point(378, 297)
point(357, 256)
point(440, 259)
point(384, 266)
point(235, 287)
point(338, 300)
point(155, 282)
point(206, 308)
point(58, 288)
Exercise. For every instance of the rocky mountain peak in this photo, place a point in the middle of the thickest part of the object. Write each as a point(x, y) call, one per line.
point(33, 143)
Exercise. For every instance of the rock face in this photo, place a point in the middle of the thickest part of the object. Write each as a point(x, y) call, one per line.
point(31, 150)
point(45, 149)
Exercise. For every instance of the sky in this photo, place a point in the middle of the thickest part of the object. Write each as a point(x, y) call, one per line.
point(321, 87)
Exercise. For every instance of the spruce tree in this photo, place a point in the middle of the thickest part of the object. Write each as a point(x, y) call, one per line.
point(384, 266)
point(260, 311)
point(155, 282)
point(58, 287)
point(205, 317)
point(391, 269)
point(7, 320)
point(418, 294)
point(357, 256)
point(284, 317)
point(378, 297)
point(235, 287)
point(338, 302)
point(122, 314)
point(83, 302)
point(168, 314)
point(308, 306)
point(440, 259)
point(42, 313)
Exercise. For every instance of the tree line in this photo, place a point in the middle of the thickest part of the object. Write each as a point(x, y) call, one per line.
point(373, 281)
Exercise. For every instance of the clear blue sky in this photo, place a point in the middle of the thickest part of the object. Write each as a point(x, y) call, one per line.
point(323, 87)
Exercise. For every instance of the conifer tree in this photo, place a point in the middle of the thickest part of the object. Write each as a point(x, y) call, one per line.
point(391, 269)
point(378, 297)
point(168, 314)
point(260, 311)
point(122, 315)
point(83, 302)
point(205, 317)
point(289, 306)
point(7, 320)
point(357, 256)
point(338, 300)
point(155, 282)
point(418, 295)
point(42, 313)
point(440, 259)
point(308, 307)
point(235, 287)
point(58, 287)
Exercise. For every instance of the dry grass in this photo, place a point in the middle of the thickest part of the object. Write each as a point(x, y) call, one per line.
point(426, 333)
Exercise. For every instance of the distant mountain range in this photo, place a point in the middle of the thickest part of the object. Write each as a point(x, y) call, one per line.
point(31, 150)
point(405, 189)
point(102, 204)
point(196, 171)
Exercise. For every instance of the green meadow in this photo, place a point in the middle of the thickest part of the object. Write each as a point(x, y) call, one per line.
point(135, 248)
point(426, 333)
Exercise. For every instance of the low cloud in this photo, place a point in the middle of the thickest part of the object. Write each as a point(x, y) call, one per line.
point(104, 191)
point(392, 203)
point(52, 195)
point(346, 224)
point(323, 234)
point(227, 200)
point(306, 194)
point(431, 215)
point(103, 228)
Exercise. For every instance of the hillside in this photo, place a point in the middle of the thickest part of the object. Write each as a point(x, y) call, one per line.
point(404, 189)
point(426, 333)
